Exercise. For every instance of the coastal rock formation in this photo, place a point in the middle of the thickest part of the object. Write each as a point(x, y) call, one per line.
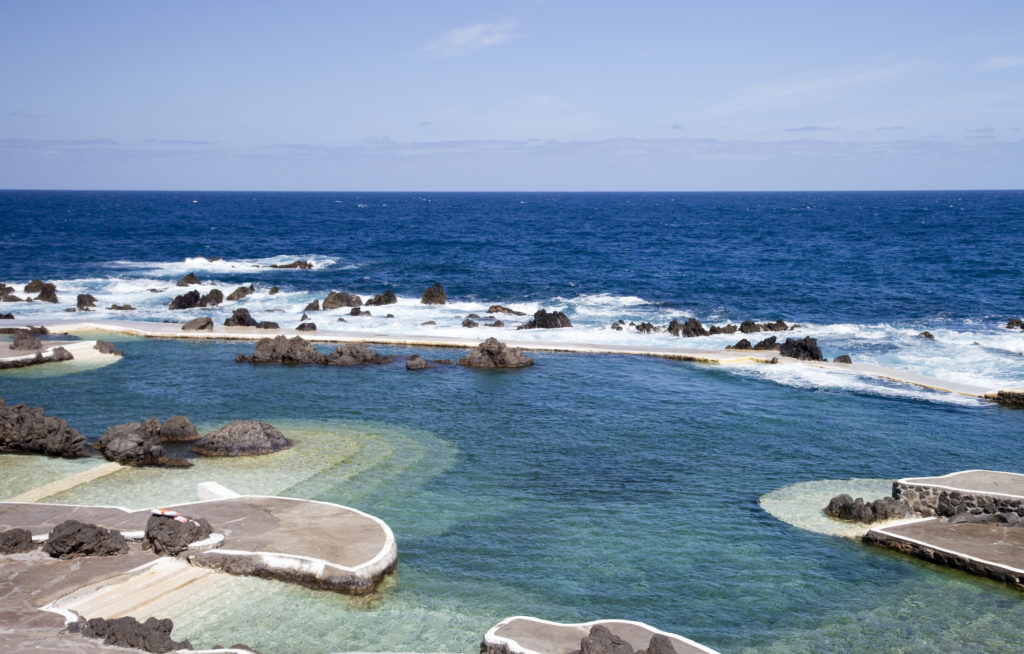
point(48, 293)
point(336, 299)
point(494, 354)
point(844, 507)
point(381, 299)
point(1011, 398)
point(267, 324)
point(178, 429)
point(689, 329)
point(134, 444)
point(927, 336)
point(427, 323)
point(7, 294)
point(352, 354)
point(25, 340)
point(356, 311)
point(106, 347)
point(72, 539)
point(1015, 323)
point(777, 326)
point(743, 344)
point(302, 265)
point(467, 322)
point(497, 308)
point(646, 328)
point(188, 280)
point(240, 318)
point(200, 324)
point(242, 438)
point(169, 535)
point(15, 541)
point(241, 292)
point(749, 327)
point(153, 635)
point(544, 320)
point(601, 640)
point(496, 323)
point(307, 327)
point(842, 358)
point(313, 306)
point(211, 299)
point(416, 362)
point(273, 290)
point(188, 300)
point(434, 295)
point(723, 329)
point(84, 302)
point(29, 430)
point(281, 349)
point(6, 316)
point(767, 344)
point(805, 349)
point(120, 307)
point(34, 286)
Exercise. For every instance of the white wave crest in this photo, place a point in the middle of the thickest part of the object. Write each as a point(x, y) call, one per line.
point(214, 265)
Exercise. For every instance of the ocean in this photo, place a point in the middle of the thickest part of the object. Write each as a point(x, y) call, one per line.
point(587, 486)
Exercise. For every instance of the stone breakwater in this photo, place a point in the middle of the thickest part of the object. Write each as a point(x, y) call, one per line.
point(930, 500)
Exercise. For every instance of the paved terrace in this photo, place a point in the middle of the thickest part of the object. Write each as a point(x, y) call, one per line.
point(977, 482)
point(724, 357)
point(525, 635)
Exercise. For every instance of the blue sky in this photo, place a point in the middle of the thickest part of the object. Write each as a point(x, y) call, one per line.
point(532, 95)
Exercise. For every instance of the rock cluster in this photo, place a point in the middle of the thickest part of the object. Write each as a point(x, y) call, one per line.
point(26, 340)
point(188, 280)
point(416, 362)
point(242, 438)
point(241, 292)
point(544, 320)
point(192, 300)
point(805, 349)
point(1015, 323)
point(137, 444)
point(106, 347)
point(29, 430)
point(153, 635)
point(200, 324)
point(337, 299)
point(434, 295)
point(601, 640)
point(72, 539)
point(7, 294)
point(494, 354)
point(381, 299)
point(844, 507)
point(15, 541)
point(296, 350)
point(302, 265)
point(172, 534)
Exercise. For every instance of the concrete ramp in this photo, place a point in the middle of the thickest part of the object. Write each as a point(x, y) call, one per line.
point(526, 635)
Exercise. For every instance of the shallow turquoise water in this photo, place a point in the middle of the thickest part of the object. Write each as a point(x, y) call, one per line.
point(585, 487)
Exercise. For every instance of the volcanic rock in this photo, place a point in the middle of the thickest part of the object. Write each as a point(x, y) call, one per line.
point(34, 286)
point(120, 307)
point(743, 344)
point(281, 349)
point(842, 358)
point(689, 329)
point(200, 324)
point(805, 349)
point(844, 507)
point(494, 354)
point(153, 635)
point(927, 335)
point(240, 318)
point(724, 329)
point(380, 299)
point(646, 328)
point(434, 295)
point(303, 265)
point(188, 280)
point(6, 316)
point(497, 308)
point(1013, 399)
point(352, 354)
point(273, 290)
point(749, 327)
point(48, 293)
point(211, 299)
point(777, 326)
point(242, 438)
point(166, 535)
point(307, 327)
point(356, 311)
point(544, 320)
point(496, 323)
point(469, 323)
point(133, 444)
point(29, 430)
point(1015, 323)
point(767, 344)
point(416, 362)
point(602, 641)
point(427, 322)
point(106, 347)
point(241, 292)
point(15, 541)
point(72, 539)
point(85, 302)
point(313, 306)
point(267, 324)
point(188, 300)
point(336, 299)
point(25, 340)
point(178, 429)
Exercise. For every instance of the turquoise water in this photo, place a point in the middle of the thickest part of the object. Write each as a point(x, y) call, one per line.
point(585, 487)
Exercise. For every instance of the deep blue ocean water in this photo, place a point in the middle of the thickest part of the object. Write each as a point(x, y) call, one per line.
point(588, 486)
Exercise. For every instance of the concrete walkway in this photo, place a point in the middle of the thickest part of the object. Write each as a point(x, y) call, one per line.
point(526, 635)
point(724, 357)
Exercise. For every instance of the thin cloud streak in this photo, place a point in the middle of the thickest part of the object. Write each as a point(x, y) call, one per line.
point(1000, 63)
point(464, 40)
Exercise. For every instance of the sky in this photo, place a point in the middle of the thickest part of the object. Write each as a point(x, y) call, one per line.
point(535, 95)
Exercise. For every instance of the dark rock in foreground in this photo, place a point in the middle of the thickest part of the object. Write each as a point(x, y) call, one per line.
point(544, 320)
point(844, 507)
point(242, 438)
point(307, 327)
point(15, 541)
point(767, 344)
point(240, 318)
point(30, 431)
point(72, 539)
point(336, 299)
point(1013, 399)
point(106, 347)
point(200, 324)
point(134, 444)
point(805, 349)
point(381, 299)
point(178, 429)
point(153, 635)
point(188, 280)
point(170, 535)
point(494, 354)
point(434, 295)
point(26, 340)
point(416, 362)
point(743, 344)
point(48, 293)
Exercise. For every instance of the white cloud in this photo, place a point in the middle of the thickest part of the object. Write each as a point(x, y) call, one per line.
point(998, 63)
point(464, 40)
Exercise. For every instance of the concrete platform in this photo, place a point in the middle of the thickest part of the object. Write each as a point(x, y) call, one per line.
point(80, 350)
point(526, 635)
point(990, 482)
point(989, 550)
point(978, 491)
point(724, 357)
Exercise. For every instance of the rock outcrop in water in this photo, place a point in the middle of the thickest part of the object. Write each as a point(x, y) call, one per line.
point(48, 293)
point(302, 265)
point(106, 347)
point(1015, 323)
point(844, 507)
point(168, 535)
point(241, 292)
point(842, 358)
point(544, 320)
point(29, 431)
point(242, 438)
point(33, 286)
point(25, 340)
point(297, 350)
point(769, 343)
point(381, 299)
point(188, 280)
point(416, 362)
point(135, 444)
point(72, 539)
point(193, 299)
point(153, 635)
point(497, 308)
point(200, 324)
point(434, 295)
point(743, 344)
point(240, 318)
point(1013, 399)
point(84, 302)
point(494, 354)
point(805, 349)
point(337, 299)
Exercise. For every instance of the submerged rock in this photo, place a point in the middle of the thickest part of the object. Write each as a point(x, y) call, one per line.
point(805, 349)
point(434, 295)
point(153, 635)
point(544, 320)
point(106, 347)
point(494, 354)
point(30, 431)
point(416, 362)
point(844, 507)
point(72, 539)
point(242, 438)
point(169, 535)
